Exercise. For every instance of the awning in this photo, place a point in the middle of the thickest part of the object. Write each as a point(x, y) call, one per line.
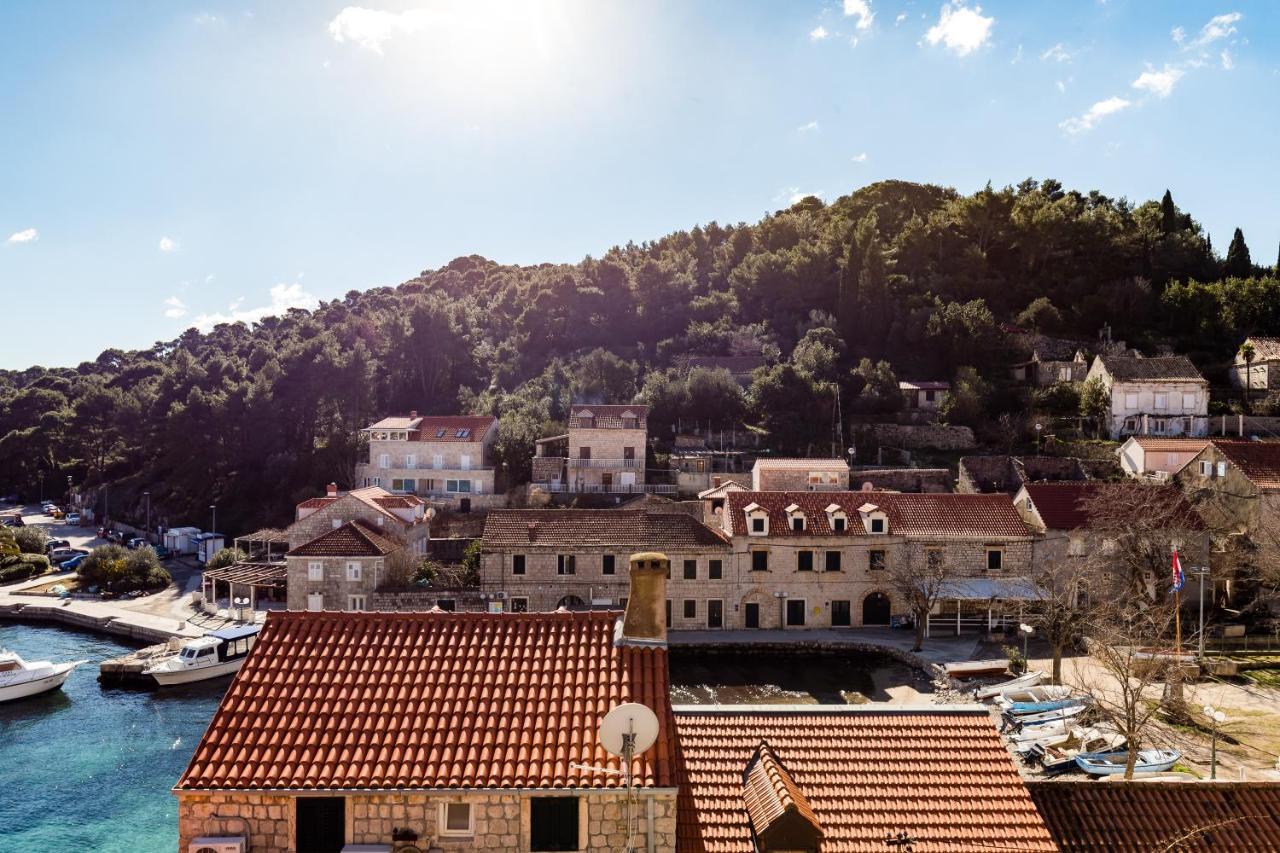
point(987, 589)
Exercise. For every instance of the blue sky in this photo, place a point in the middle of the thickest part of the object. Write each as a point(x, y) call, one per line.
point(169, 164)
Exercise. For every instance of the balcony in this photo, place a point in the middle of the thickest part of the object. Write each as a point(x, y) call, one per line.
point(613, 489)
point(427, 466)
point(619, 464)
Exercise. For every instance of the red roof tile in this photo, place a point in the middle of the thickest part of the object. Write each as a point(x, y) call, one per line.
point(317, 503)
point(431, 700)
point(1065, 506)
point(927, 515)
point(1137, 817)
point(608, 416)
point(1257, 460)
point(1162, 444)
point(637, 530)
point(943, 777)
point(439, 427)
point(353, 539)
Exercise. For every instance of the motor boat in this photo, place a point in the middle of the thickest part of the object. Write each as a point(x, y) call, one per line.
point(212, 656)
point(1113, 763)
point(1027, 679)
point(20, 678)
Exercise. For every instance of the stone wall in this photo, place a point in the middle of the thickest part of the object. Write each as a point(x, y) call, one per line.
point(920, 436)
point(419, 600)
point(501, 819)
point(902, 479)
point(335, 588)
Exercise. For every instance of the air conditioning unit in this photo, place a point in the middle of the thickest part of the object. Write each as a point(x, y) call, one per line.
point(219, 844)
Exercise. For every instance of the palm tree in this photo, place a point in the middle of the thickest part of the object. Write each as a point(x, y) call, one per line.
point(1248, 353)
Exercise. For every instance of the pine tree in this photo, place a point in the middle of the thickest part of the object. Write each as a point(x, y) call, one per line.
point(1168, 214)
point(1239, 264)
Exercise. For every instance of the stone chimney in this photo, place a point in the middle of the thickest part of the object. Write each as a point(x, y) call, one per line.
point(645, 622)
point(331, 490)
point(413, 413)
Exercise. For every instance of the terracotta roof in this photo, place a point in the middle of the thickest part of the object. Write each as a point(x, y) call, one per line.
point(1257, 460)
point(353, 539)
point(318, 503)
point(941, 776)
point(1065, 506)
point(440, 427)
point(924, 385)
point(938, 515)
point(636, 530)
point(770, 793)
point(1172, 445)
point(1170, 368)
point(608, 416)
point(800, 464)
point(1264, 349)
point(431, 700)
point(397, 501)
point(1137, 817)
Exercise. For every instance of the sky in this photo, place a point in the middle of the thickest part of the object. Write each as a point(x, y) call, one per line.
point(167, 164)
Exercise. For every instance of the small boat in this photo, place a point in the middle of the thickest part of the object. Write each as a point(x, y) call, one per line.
point(1048, 693)
point(1113, 763)
point(214, 655)
point(1021, 735)
point(1027, 679)
point(975, 668)
point(20, 678)
point(1022, 709)
point(1046, 716)
point(1060, 757)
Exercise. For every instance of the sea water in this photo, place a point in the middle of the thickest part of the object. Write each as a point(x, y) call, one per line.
point(91, 768)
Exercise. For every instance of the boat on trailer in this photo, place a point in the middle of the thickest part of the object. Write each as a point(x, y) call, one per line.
point(20, 678)
point(1113, 763)
point(214, 655)
point(1027, 679)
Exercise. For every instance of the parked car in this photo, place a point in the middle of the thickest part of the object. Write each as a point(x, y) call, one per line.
point(73, 563)
point(61, 555)
point(135, 543)
point(57, 513)
point(162, 552)
point(14, 521)
point(54, 544)
point(72, 518)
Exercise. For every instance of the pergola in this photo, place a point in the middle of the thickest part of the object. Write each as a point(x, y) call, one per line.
point(255, 576)
point(267, 537)
point(989, 590)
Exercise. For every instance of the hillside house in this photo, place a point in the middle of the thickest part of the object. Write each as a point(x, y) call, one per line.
point(1264, 371)
point(341, 568)
point(447, 459)
point(484, 734)
point(1164, 396)
point(1051, 360)
point(1157, 457)
point(400, 518)
point(740, 367)
point(923, 396)
point(603, 452)
point(797, 475)
point(1235, 485)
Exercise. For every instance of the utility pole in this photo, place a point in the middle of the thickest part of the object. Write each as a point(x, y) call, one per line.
point(147, 495)
point(213, 508)
point(1201, 572)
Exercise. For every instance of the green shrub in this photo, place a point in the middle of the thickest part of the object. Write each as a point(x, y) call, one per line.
point(30, 539)
point(114, 568)
point(225, 557)
point(22, 566)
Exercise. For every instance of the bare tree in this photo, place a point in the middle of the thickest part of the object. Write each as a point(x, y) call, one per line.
point(919, 579)
point(1061, 610)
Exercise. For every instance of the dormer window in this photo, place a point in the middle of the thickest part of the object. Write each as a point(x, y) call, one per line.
point(874, 519)
point(440, 432)
point(757, 519)
point(630, 421)
point(464, 433)
point(836, 518)
point(795, 518)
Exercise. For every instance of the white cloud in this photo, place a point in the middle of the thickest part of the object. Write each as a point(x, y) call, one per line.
point(1228, 61)
point(206, 19)
point(1017, 56)
point(283, 297)
point(175, 308)
point(1218, 28)
point(1057, 53)
point(1178, 34)
point(860, 158)
point(807, 127)
point(208, 278)
point(902, 16)
point(860, 9)
point(960, 29)
point(27, 235)
point(370, 28)
point(168, 244)
point(1159, 83)
point(1095, 114)
point(818, 33)
point(1062, 86)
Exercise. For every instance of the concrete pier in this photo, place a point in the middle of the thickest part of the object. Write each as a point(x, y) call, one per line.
point(127, 670)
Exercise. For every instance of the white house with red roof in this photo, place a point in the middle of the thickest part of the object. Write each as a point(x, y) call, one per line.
point(446, 459)
point(602, 453)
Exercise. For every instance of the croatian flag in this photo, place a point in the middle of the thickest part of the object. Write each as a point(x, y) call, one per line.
point(1177, 572)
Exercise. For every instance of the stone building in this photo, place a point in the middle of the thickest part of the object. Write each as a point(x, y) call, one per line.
point(1157, 457)
point(798, 475)
point(603, 452)
point(447, 459)
point(397, 517)
point(543, 559)
point(1263, 371)
point(341, 568)
point(457, 731)
point(1153, 396)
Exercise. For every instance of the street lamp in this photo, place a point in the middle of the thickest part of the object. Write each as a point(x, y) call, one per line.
point(1201, 572)
point(147, 495)
point(1218, 718)
point(1038, 428)
point(782, 608)
point(1026, 631)
point(213, 508)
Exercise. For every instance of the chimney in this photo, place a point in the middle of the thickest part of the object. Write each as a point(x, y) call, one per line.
point(413, 413)
point(645, 622)
point(331, 490)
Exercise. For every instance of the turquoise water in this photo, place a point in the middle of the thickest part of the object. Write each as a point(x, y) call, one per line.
point(88, 768)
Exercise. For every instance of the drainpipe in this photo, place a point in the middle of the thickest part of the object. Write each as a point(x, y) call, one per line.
point(650, 843)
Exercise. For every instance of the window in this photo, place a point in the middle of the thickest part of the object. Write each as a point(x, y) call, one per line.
point(1188, 402)
point(1222, 469)
point(355, 602)
point(353, 571)
point(1162, 401)
point(759, 561)
point(875, 560)
point(315, 570)
point(440, 432)
point(838, 523)
point(795, 612)
point(630, 423)
point(566, 564)
point(934, 557)
point(517, 564)
point(877, 525)
point(456, 819)
point(691, 570)
point(1131, 401)
point(584, 452)
point(715, 613)
point(465, 432)
point(715, 570)
point(804, 561)
point(797, 523)
point(995, 559)
point(384, 460)
point(757, 525)
point(832, 561)
point(411, 460)
point(448, 605)
point(928, 396)
point(553, 824)
point(315, 601)
point(519, 605)
point(463, 486)
point(629, 454)
point(607, 564)
point(690, 608)
point(464, 462)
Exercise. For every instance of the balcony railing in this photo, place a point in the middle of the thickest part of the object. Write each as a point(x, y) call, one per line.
point(427, 466)
point(629, 464)
point(614, 489)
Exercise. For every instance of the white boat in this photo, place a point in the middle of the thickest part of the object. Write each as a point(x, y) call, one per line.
point(1047, 693)
point(1047, 716)
point(1113, 763)
point(975, 668)
point(1027, 679)
point(211, 656)
point(1027, 735)
point(20, 678)
point(1061, 757)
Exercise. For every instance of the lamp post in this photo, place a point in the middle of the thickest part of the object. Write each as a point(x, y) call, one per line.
point(1201, 572)
point(1218, 717)
point(1026, 631)
point(1038, 428)
point(782, 609)
point(147, 495)
point(213, 508)
point(68, 493)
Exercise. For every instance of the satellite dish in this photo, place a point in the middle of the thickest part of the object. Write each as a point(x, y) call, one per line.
point(629, 729)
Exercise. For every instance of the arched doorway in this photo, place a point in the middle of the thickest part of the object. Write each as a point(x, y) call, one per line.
point(875, 609)
point(571, 602)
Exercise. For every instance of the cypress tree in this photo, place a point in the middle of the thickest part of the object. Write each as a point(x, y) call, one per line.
point(1168, 214)
point(1239, 264)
